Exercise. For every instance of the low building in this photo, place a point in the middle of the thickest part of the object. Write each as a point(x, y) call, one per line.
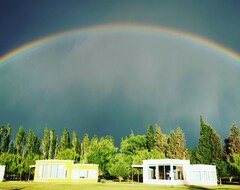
point(178, 172)
point(2, 171)
point(65, 171)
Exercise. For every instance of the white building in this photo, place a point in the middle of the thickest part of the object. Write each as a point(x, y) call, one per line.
point(178, 172)
point(2, 171)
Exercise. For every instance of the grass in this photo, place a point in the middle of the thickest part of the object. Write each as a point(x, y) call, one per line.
point(16, 185)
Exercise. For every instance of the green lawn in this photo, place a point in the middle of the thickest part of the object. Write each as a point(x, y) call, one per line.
point(99, 186)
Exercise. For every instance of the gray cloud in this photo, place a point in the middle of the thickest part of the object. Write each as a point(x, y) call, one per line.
point(111, 82)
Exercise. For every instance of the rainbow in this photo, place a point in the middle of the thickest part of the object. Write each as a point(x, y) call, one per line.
point(131, 27)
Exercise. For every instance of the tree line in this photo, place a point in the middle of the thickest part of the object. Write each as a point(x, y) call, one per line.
point(26, 148)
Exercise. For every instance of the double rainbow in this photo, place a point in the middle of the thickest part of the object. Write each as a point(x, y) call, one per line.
point(130, 27)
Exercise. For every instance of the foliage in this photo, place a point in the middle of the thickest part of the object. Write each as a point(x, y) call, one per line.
point(235, 164)
point(120, 166)
point(101, 152)
point(160, 140)
point(19, 154)
point(150, 138)
point(132, 144)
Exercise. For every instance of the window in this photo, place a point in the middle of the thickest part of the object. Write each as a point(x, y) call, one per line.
point(78, 173)
point(93, 174)
point(51, 171)
point(40, 170)
point(83, 173)
point(164, 172)
point(152, 172)
point(178, 172)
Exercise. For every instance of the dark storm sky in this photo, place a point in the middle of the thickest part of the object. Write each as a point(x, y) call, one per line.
point(27, 20)
point(23, 21)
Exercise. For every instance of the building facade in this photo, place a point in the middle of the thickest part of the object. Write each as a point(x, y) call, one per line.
point(178, 172)
point(2, 171)
point(65, 171)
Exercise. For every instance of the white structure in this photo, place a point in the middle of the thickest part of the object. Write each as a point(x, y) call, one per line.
point(2, 171)
point(178, 172)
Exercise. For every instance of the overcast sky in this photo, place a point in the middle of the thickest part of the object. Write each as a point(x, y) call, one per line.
point(109, 83)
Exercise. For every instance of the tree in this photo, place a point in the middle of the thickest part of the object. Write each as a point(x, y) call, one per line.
point(204, 149)
point(76, 143)
point(235, 164)
point(65, 140)
point(7, 138)
point(45, 143)
point(209, 149)
point(56, 146)
point(31, 141)
point(132, 144)
point(150, 138)
point(2, 130)
point(181, 150)
point(171, 150)
point(51, 144)
point(120, 166)
point(160, 140)
point(217, 148)
point(66, 154)
point(232, 142)
point(85, 148)
point(101, 152)
point(20, 140)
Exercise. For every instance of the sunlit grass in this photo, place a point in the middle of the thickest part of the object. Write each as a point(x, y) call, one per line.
point(98, 186)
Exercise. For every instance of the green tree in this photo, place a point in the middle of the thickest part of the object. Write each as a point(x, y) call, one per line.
point(76, 146)
point(56, 146)
point(160, 140)
point(132, 144)
point(66, 154)
point(2, 130)
point(20, 140)
point(217, 147)
point(45, 143)
point(235, 164)
point(65, 140)
point(232, 143)
point(120, 166)
point(204, 149)
point(7, 138)
point(171, 150)
point(150, 137)
point(51, 144)
point(181, 150)
point(102, 152)
point(31, 141)
point(85, 148)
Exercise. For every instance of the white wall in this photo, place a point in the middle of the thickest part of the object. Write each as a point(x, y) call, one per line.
point(2, 171)
point(197, 174)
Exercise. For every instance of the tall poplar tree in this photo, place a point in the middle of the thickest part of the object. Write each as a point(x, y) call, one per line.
point(171, 150)
point(65, 140)
point(20, 140)
point(45, 143)
point(51, 144)
point(181, 151)
point(150, 138)
point(160, 140)
point(85, 148)
point(2, 130)
point(7, 138)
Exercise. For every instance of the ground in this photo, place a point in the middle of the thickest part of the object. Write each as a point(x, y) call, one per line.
point(99, 186)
